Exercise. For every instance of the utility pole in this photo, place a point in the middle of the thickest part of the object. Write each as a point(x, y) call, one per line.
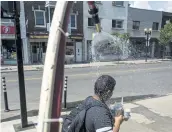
point(15, 17)
point(23, 109)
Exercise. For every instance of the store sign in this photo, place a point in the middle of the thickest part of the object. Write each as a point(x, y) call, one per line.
point(7, 30)
point(38, 37)
point(75, 37)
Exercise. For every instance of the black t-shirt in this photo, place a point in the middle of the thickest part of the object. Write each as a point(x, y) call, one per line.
point(98, 119)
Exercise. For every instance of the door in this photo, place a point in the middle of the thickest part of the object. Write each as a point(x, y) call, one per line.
point(78, 51)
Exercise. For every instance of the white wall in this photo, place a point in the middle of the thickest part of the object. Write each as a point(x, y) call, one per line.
point(107, 12)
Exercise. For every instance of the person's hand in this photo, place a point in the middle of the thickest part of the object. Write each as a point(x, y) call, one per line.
point(119, 119)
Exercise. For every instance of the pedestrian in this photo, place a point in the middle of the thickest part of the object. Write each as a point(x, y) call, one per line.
point(93, 115)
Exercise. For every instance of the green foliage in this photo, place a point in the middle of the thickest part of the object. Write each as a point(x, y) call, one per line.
point(166, 34)
point(123, 37)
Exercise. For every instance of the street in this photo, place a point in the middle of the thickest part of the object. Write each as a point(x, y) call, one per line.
point(142, 79)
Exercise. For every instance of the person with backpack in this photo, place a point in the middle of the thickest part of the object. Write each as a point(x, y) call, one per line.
point(93, 115)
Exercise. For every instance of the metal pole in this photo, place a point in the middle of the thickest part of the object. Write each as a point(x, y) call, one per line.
point(147, 37)
point(49, 17)
point(65, 92)
point(5, 94)
point(23, 108)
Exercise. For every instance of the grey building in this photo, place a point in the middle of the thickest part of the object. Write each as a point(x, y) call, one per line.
point(138, 20)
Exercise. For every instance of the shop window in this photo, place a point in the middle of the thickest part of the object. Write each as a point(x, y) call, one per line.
point(34, 50)
point(8, 49)
point(44, 47)
point(69, 48)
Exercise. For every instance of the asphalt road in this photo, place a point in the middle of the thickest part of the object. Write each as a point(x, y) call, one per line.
point(142, 79)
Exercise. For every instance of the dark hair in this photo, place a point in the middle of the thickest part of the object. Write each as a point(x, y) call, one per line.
point(104, 84)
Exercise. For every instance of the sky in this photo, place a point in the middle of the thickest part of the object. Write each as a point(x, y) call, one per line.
point(153, 5)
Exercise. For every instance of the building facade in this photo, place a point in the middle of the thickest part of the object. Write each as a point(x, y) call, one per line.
point(35, 19)
point(113, 18)
point(38, 29)
point(138, 20)
point(8, 48)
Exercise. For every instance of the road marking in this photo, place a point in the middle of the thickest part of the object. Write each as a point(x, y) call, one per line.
point(95, 73)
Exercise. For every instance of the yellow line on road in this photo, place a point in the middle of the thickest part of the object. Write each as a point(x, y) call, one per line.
point(95, 73)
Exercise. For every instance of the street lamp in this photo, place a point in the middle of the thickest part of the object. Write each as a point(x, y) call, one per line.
point(147, 33)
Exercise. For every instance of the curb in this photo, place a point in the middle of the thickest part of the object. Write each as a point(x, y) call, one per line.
point(117, 63)
point(126, 99)
point(71, 105)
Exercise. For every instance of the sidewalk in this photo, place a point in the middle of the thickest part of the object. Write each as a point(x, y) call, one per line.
point(40, 67)
point(149, 115)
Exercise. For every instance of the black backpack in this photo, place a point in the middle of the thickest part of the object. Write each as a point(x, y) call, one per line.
point(75, 121)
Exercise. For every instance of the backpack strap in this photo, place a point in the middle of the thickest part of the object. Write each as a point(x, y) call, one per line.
point(87, 107)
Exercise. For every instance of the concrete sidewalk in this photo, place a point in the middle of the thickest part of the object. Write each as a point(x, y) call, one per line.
point(40, 67)
point(149, 115)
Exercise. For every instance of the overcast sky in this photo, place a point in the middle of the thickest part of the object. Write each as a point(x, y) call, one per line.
point(154, 5)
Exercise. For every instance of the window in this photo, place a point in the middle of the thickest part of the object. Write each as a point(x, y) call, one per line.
point(73, 21)
point(118, 3)
point(51, 13)
point(90, 22)
point(98, 2)
point(155, 26)
point(117, 23)
point(136, 25)
point(39, 18)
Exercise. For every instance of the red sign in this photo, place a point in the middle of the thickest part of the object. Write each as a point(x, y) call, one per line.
point(7, 30)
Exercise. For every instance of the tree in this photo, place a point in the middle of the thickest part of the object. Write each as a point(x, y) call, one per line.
point(166, 35)
point(123, 37)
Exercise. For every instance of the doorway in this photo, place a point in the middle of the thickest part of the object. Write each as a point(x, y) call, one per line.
point(78, 51)
point(38, 50)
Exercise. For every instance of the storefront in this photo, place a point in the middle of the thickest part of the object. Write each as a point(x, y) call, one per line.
point(76, 44)
point(8, 47)
point(38, 46)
